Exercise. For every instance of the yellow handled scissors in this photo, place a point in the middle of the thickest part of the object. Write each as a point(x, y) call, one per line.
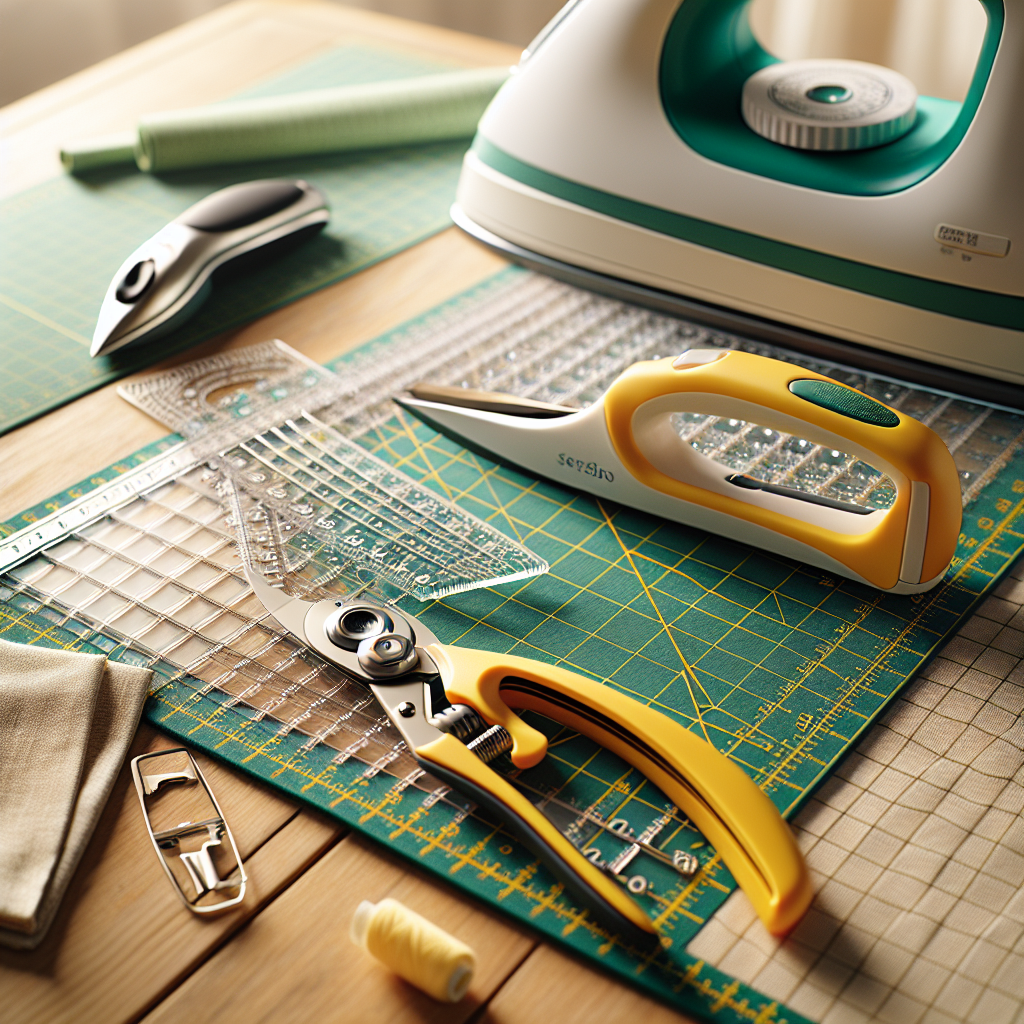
point(625, 447)
point(456, 710)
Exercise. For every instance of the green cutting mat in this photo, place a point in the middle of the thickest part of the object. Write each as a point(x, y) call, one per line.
point(63, 240)
point(776, 663)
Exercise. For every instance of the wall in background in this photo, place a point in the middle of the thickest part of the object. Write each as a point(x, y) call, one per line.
point(933, 42)
point(42, 41)
point(513, 21)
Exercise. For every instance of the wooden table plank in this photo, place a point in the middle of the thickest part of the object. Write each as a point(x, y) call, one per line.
point(122, 938)
point(553, 986)
point(296, 960)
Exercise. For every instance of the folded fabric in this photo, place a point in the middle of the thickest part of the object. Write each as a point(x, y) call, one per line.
point(404, 111)
point(66, 720)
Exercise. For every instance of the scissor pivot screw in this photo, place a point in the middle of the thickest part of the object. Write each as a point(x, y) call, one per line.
point(407, 709)
point(351, 624)
point(387, 655)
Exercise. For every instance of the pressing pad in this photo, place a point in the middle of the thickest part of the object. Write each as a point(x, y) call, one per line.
point(64, 238)
point(780, 665)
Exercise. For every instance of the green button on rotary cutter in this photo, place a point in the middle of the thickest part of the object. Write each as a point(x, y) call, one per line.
point(845, 401)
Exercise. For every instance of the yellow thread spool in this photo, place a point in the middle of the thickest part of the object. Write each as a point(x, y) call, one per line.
point(414, 948)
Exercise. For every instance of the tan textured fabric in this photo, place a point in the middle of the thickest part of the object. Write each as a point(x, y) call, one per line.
point(66, 720)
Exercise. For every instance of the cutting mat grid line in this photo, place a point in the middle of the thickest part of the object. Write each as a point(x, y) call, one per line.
point(783, 666)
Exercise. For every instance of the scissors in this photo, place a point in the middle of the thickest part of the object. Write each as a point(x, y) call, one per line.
point(625, 447)
point(456, 710)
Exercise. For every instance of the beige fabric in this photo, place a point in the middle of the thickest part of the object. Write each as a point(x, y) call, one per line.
point(66, 720)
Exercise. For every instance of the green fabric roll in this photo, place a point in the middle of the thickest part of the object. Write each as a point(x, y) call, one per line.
point(105, 151)
point(392, 113)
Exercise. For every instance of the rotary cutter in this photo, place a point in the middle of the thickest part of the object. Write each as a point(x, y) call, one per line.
point(456, 710)
point(625, 448)
point(169, 277)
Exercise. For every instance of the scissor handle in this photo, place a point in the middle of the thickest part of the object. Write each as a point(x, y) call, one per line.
point(719, 798)
point(793, 400)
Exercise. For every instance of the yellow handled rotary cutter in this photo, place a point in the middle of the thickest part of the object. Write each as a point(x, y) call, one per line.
point(456, 710)
point(625, 448)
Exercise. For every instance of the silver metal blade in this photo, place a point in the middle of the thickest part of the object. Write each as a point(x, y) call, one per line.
point(573, 449)
point(487, 401)
point(493, 434)
point(289, 611)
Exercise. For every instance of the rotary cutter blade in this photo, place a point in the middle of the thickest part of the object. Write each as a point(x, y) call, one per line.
point(625, 448)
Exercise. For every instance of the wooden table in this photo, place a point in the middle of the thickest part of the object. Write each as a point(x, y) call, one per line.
point(122, 948)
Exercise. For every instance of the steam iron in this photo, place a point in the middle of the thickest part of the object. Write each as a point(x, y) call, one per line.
point(623, 154)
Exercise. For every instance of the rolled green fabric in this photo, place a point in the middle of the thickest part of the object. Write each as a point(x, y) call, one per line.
point(104, 151)
point(392, 113)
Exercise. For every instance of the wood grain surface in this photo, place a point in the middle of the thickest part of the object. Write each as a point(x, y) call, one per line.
point(122, 948)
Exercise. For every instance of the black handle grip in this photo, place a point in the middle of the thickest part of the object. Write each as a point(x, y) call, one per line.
point(240, 205)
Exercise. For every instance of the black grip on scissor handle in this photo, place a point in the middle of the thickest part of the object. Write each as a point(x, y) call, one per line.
point(457, 766)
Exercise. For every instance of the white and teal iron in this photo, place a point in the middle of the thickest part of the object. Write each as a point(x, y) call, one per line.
point(618, 155)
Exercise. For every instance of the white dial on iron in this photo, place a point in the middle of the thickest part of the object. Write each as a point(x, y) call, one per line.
point(829, 104)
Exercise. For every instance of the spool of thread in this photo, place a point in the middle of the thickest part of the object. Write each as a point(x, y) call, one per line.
point(414, 948)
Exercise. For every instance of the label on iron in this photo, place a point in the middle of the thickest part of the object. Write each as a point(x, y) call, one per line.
point(972, 241)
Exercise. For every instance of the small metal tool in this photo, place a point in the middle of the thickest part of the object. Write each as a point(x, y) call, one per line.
point(685, 863)
point(151, 783)
point(202, 869)
point(169, 276)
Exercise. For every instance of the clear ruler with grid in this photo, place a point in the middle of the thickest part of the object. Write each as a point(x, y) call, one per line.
point(380, 526)
point(252, 410)
point(161, 574)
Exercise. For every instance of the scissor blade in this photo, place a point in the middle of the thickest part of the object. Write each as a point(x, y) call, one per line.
point(495, 435)
point(572, 449)
point(487, 401)
point(289, 611)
